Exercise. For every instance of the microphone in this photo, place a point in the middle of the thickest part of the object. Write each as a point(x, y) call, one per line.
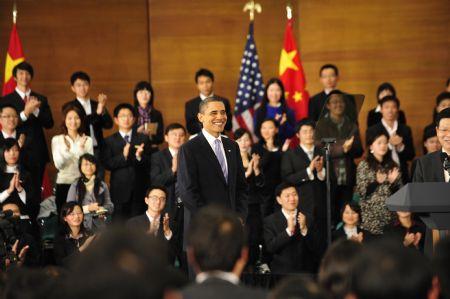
point(445, 161)
point(6, 214)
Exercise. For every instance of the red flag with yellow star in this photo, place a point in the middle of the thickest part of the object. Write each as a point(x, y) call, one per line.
point(292, 75)
point(14, 56)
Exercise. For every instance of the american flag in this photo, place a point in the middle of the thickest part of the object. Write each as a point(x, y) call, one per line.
point(250, 89)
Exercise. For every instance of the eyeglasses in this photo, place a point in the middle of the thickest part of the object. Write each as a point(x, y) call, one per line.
point(155, 198)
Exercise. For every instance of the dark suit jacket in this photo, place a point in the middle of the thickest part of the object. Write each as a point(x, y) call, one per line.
point(220, 289)
point(34, 126)
point(429, 168)
point(193, 126)
point(5, 179)
point(290, 254)
point(161, 175)
point(98, 122)
point(374, 118)
point(408, 153)
point(312, 194)
point(128, 176)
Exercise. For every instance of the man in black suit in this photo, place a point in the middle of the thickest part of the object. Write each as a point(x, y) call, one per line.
point(9, 120)
point(303, 166)
point(218, 253)
point(127, 155)
point(35, 115)
point(96, 116)
point(210, 167)
point(205, 83)
point(290, 235)
point(430, 168)
point(400, 140)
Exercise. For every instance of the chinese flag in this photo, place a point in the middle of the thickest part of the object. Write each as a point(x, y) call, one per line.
point(14, 56)
point(292, 75)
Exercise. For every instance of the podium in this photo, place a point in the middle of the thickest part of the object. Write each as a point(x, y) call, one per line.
point(430, 201)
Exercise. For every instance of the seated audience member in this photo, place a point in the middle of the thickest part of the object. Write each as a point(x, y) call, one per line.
point(149, 121)
point(290, 235)
point(16, 185)
point(377, 177)
point(92, 194)
point(96, 116)
point(407, 231)
point(218, 253)
point(441, 260)
point(335, 268)
point(9, 119)
point(442, 102)
point(255, 181)
point(400, 136)
point(73, 238)
point(204, 79)
point(25, 241)
point(127, 155)
point(270, 150)
point(154, 221)
point(374, 116)
point(350, 230)
point(337, 123)
point(297, 288)
point(304, 167)
point(274, 106)
point(385, 271)
point(67, 149)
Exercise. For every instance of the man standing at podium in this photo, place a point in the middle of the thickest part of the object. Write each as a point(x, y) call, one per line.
point(435, 167)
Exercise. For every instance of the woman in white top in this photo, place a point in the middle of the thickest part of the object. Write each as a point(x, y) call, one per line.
point(67, 148)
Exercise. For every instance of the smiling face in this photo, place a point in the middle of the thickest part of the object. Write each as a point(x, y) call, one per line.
point(380, 146)
point(143, 97)
point(336, 105)
point(274, 94)
point(213, 117)
point(350, 217)
point(88, 168)
point(81, 88)
point(175, 138)
point(9, 119)
point(72, 121)
point(245, 143)
point(268, 130)
point(124, 119)
point(23, 78)
point(288, 199)
point(443, 133)
point(75, 217)
point(12, 155)
point(156, 201)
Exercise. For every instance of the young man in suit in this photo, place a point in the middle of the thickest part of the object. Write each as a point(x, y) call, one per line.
point(218, 253)
point(210, 168)
point(303, 166)
point(154, 221)
point(127, 155)
point(400, 140)
point(290, 235)
point(96, 115)
point(35, 116)
point(329, 77)
point(430, 168)
point(204, 79)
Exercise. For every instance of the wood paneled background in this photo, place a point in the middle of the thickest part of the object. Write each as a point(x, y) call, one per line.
point(119, 42)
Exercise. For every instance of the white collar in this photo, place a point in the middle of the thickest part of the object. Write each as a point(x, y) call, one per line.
point(210, 138)
point(23, 94)
point(390, 130)
point(123, 134)
point(173, 152)
point(351, 231)
point(307, 150)
point(227, 276)
point(84, 101)
point(150, 217)
point(287, 214)
point(11, 169)
point(203, 97)
point(13, 135)
point(327, 91)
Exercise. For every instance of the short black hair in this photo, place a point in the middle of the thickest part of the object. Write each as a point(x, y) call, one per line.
point(386, 86)
point(241, 132)
point(283, 186)
point(81, 115)
point(304, 122)
point(143, 85)
point(23, 66)
point(205, 73)
point(389, 99)
point(216, 238)
point(329, 66)
point(3, 106)
point(156, 187)
point(442, 96)
point(81, 76)
point(174, 126)
point(354, 206)
point(441, 115)
point(205, 102)
point(124, 106)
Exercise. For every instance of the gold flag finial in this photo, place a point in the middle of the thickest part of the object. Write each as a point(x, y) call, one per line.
point(14, 12)
point(251, 6)
point(289, 12)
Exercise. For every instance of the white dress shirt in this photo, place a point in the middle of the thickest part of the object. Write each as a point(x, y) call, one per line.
point(151, 219)
point(23, 117)
point(6, 135)
point(4, 194)
point(227, 276)
point(203, 97)
point(287, 215)
point(351, 232)
point(66, 160)
point(210, 138)
point(88, 110)
point(392, 131)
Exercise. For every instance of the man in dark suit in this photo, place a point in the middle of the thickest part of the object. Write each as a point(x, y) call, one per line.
point(400, 141)
point(210, 168)
point(303, 166)
point(205, 83)
point(430, 168)
point(35, 115)
point(95, 115)
point(154, 221)
point(218, 253)
point(290, 235)
point(127, 155)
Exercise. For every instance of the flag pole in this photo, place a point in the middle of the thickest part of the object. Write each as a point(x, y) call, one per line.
point(251, 6)
point(14, 12)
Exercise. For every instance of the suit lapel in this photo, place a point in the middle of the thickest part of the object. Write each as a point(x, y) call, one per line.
point(301, 154)
point(437, 167)
point(209, 153)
